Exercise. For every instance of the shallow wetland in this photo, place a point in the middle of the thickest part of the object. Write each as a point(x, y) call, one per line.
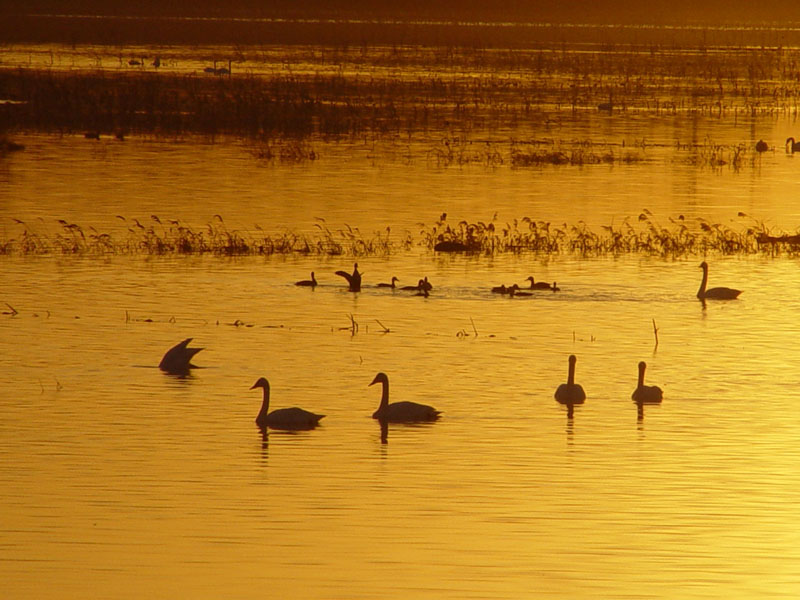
point(205, 196)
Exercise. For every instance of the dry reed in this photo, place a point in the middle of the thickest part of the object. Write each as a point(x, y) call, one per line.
point(643, 235)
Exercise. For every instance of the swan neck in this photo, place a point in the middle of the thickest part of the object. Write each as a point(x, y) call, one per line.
point(264, 404)
point(702, 291)
point(571, 373)
point(641, 377)
point(384, 394)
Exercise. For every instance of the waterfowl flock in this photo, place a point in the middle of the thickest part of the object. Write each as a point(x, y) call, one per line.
point(177, 361)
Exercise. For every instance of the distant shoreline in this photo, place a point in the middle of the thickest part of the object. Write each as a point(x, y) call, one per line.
point(337, 30)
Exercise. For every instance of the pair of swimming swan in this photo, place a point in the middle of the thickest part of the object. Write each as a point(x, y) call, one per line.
point(298, 419)
point(571, 393)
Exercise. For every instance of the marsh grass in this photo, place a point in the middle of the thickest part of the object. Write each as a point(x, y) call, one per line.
point(641, 235)
point(334, 92)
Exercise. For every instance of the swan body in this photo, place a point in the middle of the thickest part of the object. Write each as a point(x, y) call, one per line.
point(308, 282)
point(401, 412)
point(515, 291)
point(792, 146)
point(717, 293)
point(570, 392)
point(295, 419)
point(538, 285)
point(353, 279)
point(646, 394)
point(177, 360)
point(389, 285)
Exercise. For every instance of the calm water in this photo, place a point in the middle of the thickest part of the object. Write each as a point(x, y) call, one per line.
point(119, 481)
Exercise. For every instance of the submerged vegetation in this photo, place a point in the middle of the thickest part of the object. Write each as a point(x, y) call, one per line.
point(643, 235)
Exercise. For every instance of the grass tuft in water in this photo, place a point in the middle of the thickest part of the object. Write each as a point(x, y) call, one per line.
point(643, 235)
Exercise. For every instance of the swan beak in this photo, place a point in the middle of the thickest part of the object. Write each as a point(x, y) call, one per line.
point(374, 381)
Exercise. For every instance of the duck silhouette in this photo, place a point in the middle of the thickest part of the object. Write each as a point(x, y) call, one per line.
point(412, 288)
point(400, 412)
point(716, 293)
point(177, 360)
point(353, 279)
point(792, 146)
point(537, 285)
point(389, 285)
point(308, 282)
point(293, 419)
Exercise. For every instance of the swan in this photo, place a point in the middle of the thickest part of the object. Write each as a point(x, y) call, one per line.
point(400, 412)
point(500, 289)
point(570, 392)
point(308, 282)
point(389, 285)
point(539, 285)
point(792, 146)
point(177, 360)
point(283, 418)
point(717, 293)
point(762, 146)
point(646, 394)
point(353, 280)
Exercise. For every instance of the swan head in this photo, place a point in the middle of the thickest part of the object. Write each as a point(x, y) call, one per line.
point(642, 365)
point(704, 265)
point(380, 378)
point(573, 359)
point(261, 383)
point(529, 278)
point(395, 279)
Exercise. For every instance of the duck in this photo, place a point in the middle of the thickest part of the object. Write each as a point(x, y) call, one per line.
point(538, 285)
point(308, 282)
point(717, 293)
point(792, 146)
point(412, 288)
point(762, 146)
point(294, 419)
point(401, 412)
point(500, 289)
point(353, 279)
point(389, 285)
point(515, 291)
point(646, 394)
point(570, 392)
point(177, 360)
point(426, 284)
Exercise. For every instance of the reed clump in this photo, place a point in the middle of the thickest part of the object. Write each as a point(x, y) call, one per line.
point(641, 235)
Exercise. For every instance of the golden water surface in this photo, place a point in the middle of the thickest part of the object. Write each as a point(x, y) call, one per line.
point(117, 480)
